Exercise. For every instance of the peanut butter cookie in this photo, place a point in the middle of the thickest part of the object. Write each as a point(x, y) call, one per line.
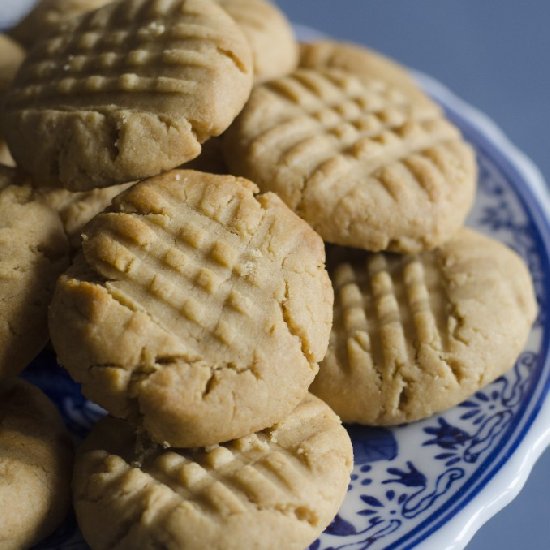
point(33, 253)
point(275, 489)
point(126, 92)
point(197, 310)
point(414, 335)
point(364, 163)
point(36, 462)
point(46, 16)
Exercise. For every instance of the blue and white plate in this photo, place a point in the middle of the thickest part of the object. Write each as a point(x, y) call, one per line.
point(433, 482)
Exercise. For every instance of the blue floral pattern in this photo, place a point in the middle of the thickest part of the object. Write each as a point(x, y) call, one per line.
point(409, 480)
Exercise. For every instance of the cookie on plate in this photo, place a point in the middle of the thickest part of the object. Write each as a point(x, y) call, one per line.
point(47, 15)
point(275, 489)
point(33, 253)
point(364, 163)
point(36, 462)
point(414, 335)
point(361, 61)
point(77, 209)
point(269, 34)
point(197, 310)
point(126, 92)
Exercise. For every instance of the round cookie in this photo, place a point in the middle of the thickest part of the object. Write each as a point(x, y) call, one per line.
point(33, 253)
point(126, 92)
point(275, 489)
point(197, 310)
point(11, 57)
point(46, 17)
point(414, 335)
point(77, 209)
point(360, 61)
point(365, 164)
point(269, 34)
point(35, 461)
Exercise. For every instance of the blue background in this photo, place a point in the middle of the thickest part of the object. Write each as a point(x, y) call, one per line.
point(496, 55)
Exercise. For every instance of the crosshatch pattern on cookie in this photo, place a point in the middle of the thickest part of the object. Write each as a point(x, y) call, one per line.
point(362, 62)
point(323, 139)
point(372, 125)
point(137, 46)
point(418, 333)
point(46, 16)
point(126, 92)
point(387, 308)
point(193, 277)
point(214, 290)
point(296, 470)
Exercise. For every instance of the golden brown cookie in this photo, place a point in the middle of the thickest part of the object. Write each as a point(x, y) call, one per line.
point(33, 253)
point(77, 209)
point(414, 335)
point(269, 34)
point(46, 17)
point(365, 164)
point(275, 489)
point(35, 463)
point(11, 57)
point(360, 61)
point(127, 91)
point(197, 309)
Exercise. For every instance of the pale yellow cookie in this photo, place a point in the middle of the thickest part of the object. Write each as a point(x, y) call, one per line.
point(77, 209)
point(276, 489)
point(269, 34)
point(46, 17)
point(127, 91)
point(361, 61)
point(364, 163)
point(33, 253)
point(35, 465)
point(11, 57)
point(197, 309)
point(414, 335)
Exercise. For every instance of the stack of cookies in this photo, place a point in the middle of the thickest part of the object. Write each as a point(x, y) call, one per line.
point(190, 159)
